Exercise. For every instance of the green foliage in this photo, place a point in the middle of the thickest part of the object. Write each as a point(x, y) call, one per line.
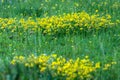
point(101, 46)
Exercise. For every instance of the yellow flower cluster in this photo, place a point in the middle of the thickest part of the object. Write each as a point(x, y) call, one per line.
point(59, 66)
point(107, 66)
point(67, 23)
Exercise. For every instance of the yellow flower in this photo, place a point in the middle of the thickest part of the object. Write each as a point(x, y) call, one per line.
point(96, 11)
point(16, 57)
point(97, 65)
point(106, 66)
point(21, 58)
point(31, 65)
point(76, 4)
point(86, 57)
point(27, 64)
point(54, 55)
point(42, 69)
point(80, 68)
point(113, 62)
point(59, 69)
point(108, 16)
point(81, 29)
point(13, 62)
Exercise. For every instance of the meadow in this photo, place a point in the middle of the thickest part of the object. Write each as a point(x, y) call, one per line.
point(59, 39)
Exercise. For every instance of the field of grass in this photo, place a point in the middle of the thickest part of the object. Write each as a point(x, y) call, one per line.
point(59, 39)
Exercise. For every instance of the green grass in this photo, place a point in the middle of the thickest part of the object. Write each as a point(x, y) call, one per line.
point(100, 46)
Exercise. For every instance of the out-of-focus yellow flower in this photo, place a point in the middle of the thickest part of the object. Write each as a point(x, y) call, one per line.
point(96, 11)
point(54, 55)
point(42, 69)
point(97, 65)
point(106, 66)
point(13, 62)
point(86, 57)
point(21, 58)
point(27, 64)
point(81, 29)
point(76, 4)
point(108, 16)
point(113, 62)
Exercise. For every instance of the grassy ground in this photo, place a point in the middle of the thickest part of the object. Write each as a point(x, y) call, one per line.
point(101, 46)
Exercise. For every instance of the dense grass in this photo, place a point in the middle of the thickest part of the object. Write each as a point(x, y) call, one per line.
point(42, 8)
point(101, 46)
